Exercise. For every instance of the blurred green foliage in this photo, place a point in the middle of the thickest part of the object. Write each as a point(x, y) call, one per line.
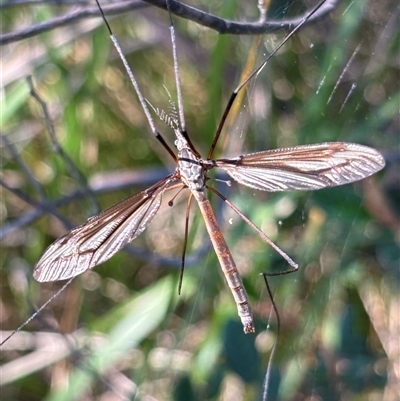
point(336, 80)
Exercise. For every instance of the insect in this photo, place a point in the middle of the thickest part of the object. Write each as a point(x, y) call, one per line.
point(307, 167)
point(166, 193)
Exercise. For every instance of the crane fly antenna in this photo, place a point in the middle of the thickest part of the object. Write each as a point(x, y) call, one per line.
point(136, 86)
point(255, 72)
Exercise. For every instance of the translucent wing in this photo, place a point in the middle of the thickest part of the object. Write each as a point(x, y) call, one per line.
point(101, 236)
point(305, 167)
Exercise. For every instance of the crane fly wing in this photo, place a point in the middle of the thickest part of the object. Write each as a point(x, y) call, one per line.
point(306, 167)
point(101, 236)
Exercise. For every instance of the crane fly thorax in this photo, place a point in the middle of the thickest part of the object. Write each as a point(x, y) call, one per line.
point(190, 166)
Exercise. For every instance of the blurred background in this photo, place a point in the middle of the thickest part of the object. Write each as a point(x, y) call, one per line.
point(121, 332)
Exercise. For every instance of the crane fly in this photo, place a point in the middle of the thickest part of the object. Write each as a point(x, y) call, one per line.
point(306, 167)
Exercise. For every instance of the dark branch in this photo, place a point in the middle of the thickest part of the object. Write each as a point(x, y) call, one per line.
point(240, 28)
point(211, 21)
point(73, 16)
point(13, 3)
point(47, 206)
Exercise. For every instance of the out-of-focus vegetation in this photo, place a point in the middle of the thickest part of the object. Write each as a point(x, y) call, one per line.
point(336, 80)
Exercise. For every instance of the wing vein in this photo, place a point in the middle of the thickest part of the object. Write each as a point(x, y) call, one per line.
point(306, 167)
point(102, 235)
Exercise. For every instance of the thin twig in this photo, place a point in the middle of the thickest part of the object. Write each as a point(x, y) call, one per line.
point(74, 171)
point(22, 165)
point(44, 206)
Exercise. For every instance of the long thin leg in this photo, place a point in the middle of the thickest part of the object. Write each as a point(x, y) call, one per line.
point(54, 296)
point(255, 72)
point(274, 347)
point(137, 89)
point(261, 233)
point(181, 113)
point(182, 123)
point(185, 241)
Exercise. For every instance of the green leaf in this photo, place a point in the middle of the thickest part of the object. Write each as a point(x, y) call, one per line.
point(144, 313)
